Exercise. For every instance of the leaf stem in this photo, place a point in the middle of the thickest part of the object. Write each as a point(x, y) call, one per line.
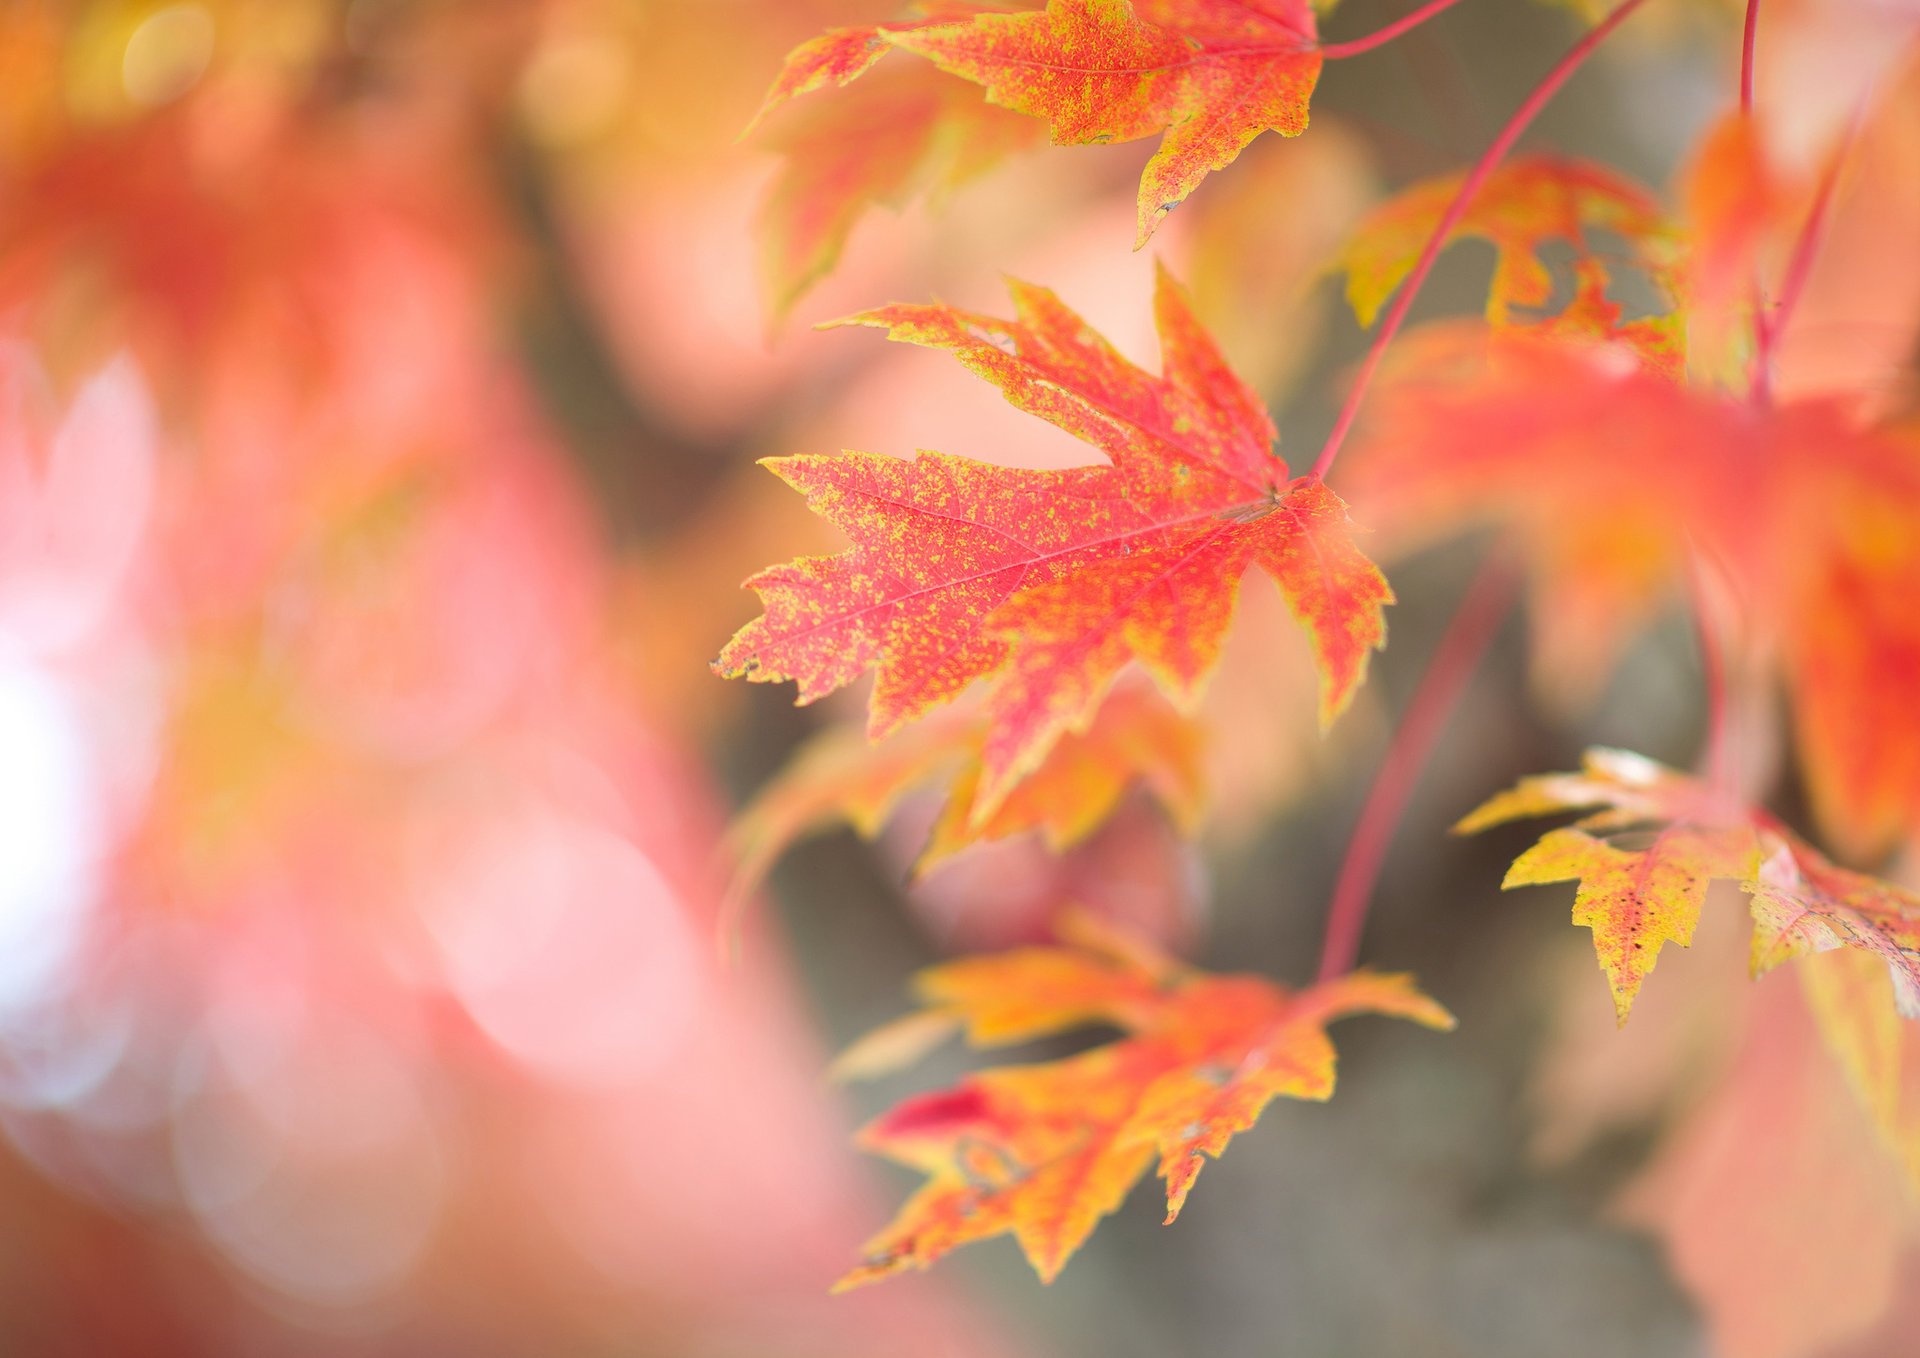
point(1770, 324)
point(1750, 32)
point(1761, 382)
point(1335, 51)
point(1806, 247)
point(1472, 629)
point(1476, 177)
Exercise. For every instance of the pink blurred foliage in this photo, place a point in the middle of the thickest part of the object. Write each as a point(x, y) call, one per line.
point(1136, 871)
point(1782, 1215)
point(375, 1004)
point(1779, 1212)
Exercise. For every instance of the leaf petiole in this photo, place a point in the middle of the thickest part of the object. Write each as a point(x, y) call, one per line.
point(1476, 177)
point(1454, 660)
point(1335, 51)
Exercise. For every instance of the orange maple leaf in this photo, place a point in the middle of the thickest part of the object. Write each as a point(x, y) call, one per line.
point(1042, 1152)
point(1049, 583)
point(898, 135)
point(1207, 76)
point(1645, 859)
point(1135, 737)
point(1616, 481)
point(1525, 205)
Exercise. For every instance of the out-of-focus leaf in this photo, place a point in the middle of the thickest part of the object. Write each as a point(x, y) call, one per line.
point(898, 135)
point(1526, 204)
point(1616, 481)
point(1771, 1203)
point(1136, 736)
point(1847, 994)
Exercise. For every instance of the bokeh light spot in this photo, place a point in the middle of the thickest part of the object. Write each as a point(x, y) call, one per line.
point(167, 54)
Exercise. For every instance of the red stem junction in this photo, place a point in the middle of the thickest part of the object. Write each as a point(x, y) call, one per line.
point(1454, 660)
point(1476, 178)
point(1335, 51)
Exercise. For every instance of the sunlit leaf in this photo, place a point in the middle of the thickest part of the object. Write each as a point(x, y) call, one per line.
point(1042, 1152)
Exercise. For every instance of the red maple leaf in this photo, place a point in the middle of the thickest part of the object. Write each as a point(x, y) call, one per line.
point(1049, 583)
point(1207, 76)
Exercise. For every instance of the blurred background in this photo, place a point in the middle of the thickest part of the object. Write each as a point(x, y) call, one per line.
point(380, 388)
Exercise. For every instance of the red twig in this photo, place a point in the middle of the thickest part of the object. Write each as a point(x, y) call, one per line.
point(1466, 639)
point(1334, 51)
point(1752, 31)
point(1768, 327)
point(1806, 247)
point(1476, 177)
point(1763, 331)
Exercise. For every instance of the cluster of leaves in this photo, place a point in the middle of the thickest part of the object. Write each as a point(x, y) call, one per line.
point(1630, 453)
point(1645, 858)
point(1627, 479)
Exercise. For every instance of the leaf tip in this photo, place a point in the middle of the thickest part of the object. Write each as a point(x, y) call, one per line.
point(1048, 1263)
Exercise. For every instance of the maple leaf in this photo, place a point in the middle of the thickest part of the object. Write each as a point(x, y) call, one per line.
point(1049, 583)
point(1615, 481)
point(1880, 1056)
point(1043, 1151)
point(842, 55)
point(1207, 76)
point(1769, 1198)
point(1525, 205)
point(1645, 858)
point(1135, 737)
point(897, 136)
point(1743, 202)
point(1803, 904)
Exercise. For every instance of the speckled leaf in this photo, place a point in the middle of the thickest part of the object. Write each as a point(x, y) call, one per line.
point(1042, 1152)
point(1206, 76)
point(1652, 842)
point(1049, 583)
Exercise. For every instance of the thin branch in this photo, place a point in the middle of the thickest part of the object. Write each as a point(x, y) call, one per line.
point(1476, 177)
point(1806, 247)
point(1769, 326)
point(1747, 37)
point(1454, 660)
point(1761, 382)
point(1335, 51)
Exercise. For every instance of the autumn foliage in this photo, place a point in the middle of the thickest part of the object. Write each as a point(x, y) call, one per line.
point(409, 943)
point(1628, 456)
point(1049, 584)
point(1042, 1152)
